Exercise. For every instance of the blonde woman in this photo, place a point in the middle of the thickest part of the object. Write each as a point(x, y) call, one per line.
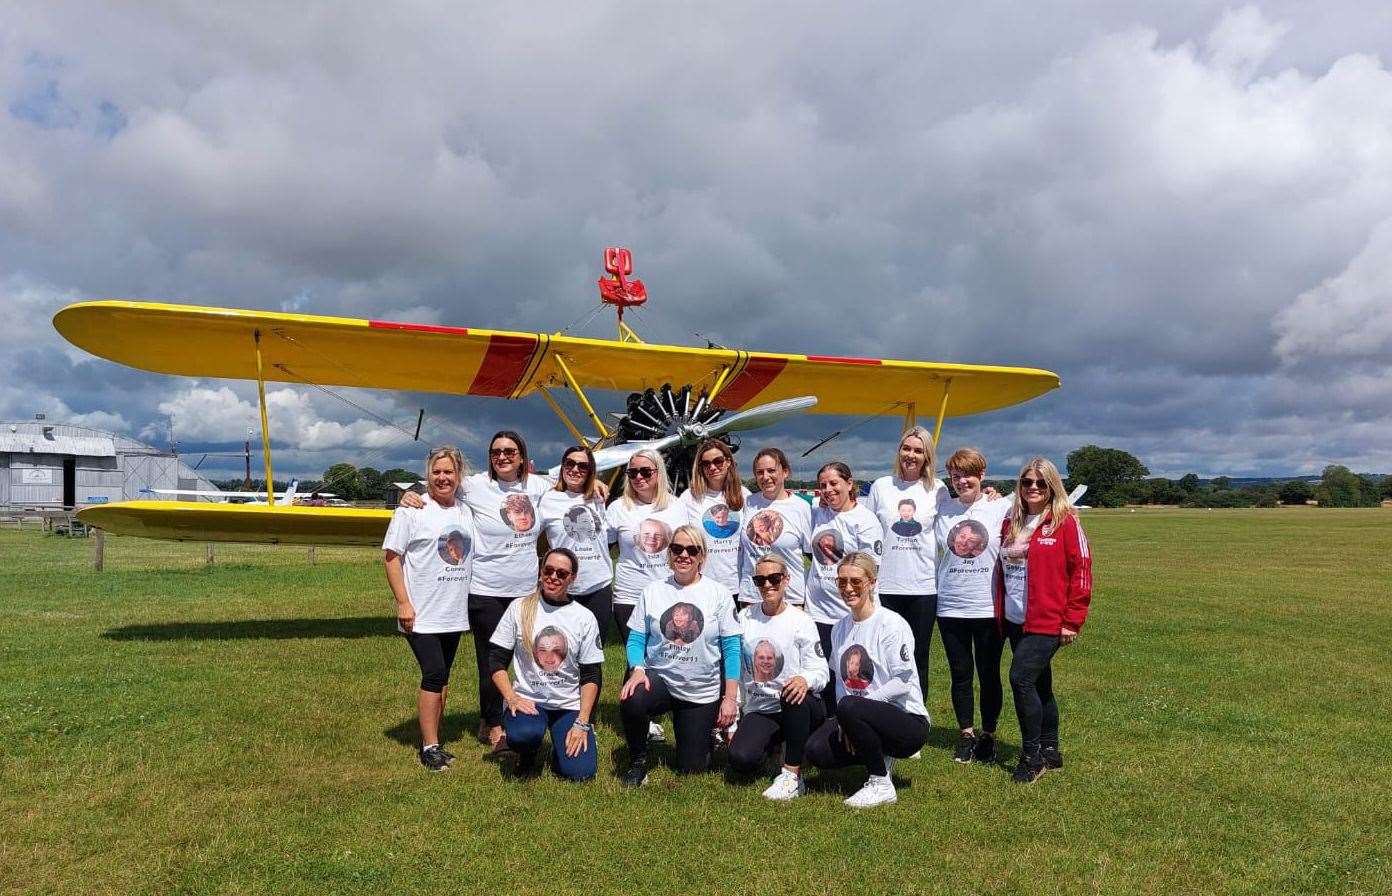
point(642, 520)
point(554, 647)
point(906, 503)
point(879, 704)
point(428, 552)
point(1043, 590)
point(684, 650)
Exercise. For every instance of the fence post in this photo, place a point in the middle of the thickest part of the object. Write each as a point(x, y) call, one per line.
point(312, 555)
point(99, 551)
point(210, 553)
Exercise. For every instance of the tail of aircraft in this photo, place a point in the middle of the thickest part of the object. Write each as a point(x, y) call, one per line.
point(289, 496)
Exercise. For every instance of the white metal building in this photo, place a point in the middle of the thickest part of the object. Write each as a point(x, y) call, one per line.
point(51, 466)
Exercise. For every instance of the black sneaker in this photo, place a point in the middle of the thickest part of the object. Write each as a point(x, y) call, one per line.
point(1029, 769)
point(966, 748)
point(1052, 757)
point(985, 748)
point(433, 758)
point(449, 757)
point(637, 774)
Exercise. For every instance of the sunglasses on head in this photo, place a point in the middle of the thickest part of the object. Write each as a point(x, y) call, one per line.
point(555, 572)
point(1026, 482)
point(502, 452)
point(582, 465)
point(640, 472)
point(774, 578)
point(689, 550)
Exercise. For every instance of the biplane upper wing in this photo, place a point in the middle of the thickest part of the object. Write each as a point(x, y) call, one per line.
point(189, 340)
point(249, 523)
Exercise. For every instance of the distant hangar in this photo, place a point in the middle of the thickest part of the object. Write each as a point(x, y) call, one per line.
point(56, 466)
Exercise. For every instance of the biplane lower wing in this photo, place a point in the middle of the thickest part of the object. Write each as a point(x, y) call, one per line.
point(187, 340)
point(253, 523)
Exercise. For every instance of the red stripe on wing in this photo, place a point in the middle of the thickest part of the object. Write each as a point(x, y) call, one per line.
point(503, 365)
point(749, 382)
point(417, 328)
point(832, 359)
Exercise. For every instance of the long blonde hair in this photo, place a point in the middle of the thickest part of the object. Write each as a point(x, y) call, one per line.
point(663, 495)
point(527, 610)
point(1059, 506)
point(930, 456)
point(733, 491)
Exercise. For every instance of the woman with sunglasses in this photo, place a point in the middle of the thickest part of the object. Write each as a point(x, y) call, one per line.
point(906, 503)
point(1043, 589)
point(554, 647)
point(642, 521)
point(879, 705)
point(715, 503)
point(776, 521)
point(783, 669)
point(428, 552)
point(573, 517)
point(840, 525)
point(684, 650)
point(968, 531)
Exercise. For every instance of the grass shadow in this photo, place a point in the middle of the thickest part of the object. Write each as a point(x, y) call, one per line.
point(456, 728)
point(349, 627)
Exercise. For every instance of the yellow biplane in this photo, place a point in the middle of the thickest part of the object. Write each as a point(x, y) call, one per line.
point(723, 389)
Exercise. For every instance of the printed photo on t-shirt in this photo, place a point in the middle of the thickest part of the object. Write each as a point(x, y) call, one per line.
point(968, 539)
point(581, 522)
point(906, 525)
point(518, 513)
point(857, 669)
point(828, 546)
point(765, 663)
point(453, 546)
point(682, 623)
point(652, 536)
point(549, 648)
point(717, 523)
point(765, 527)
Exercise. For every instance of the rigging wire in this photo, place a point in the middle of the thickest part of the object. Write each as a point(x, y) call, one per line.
point(862, 421)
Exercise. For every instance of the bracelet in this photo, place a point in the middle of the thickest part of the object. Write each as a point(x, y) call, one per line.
point(582, 726)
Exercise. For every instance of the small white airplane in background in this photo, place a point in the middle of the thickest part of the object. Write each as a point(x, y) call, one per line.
point(1074, 495)
point(283, 499)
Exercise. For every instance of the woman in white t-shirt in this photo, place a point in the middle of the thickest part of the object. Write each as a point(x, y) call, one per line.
point(775, 522)
point(554, 646)
point(879, 707)
point(715, 502)
point(573, 517)
point(906, 503)
point(968, 531)
point(840, 526)
point(504, 502)
point(783, 667)
point(642, 521)
point(684, 650)
point(428, 553)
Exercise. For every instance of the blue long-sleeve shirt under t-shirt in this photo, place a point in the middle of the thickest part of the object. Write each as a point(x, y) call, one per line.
point(637, 652)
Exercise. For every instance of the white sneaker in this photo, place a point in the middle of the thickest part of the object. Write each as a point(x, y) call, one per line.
point(787, 786)
point(918, 754)
point(655, 735)
point(877, 791)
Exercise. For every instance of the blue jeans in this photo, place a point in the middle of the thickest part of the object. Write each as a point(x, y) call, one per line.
point(525, 733)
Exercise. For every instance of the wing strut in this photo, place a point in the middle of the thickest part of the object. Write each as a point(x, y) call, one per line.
point(580, 394)
point(942, 411)
point(265, 425)
point(910, 416)
point(564, 417)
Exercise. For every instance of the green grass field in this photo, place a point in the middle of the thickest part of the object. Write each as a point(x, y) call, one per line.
point(248, 727)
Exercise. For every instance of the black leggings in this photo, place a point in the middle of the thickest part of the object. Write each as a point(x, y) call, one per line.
point(1032, 683)
point(759, 732)
point(875, 729)
point(692, 723)
point(920, 611)
point(961, 638)
point(599, 602)
point(828, 692)
point(435, 653)
point(485, 612)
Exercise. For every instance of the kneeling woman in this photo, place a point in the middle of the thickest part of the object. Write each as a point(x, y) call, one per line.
point(682, 643)
point(783, 671)
point(554, 645)
point(879, 708)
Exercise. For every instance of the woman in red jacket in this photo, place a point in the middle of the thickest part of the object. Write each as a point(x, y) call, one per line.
point(1043, 586)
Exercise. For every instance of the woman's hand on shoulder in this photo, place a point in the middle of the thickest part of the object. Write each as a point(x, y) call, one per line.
point(412, 500)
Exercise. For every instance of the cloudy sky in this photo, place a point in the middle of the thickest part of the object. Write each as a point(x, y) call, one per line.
point(1183, 208)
